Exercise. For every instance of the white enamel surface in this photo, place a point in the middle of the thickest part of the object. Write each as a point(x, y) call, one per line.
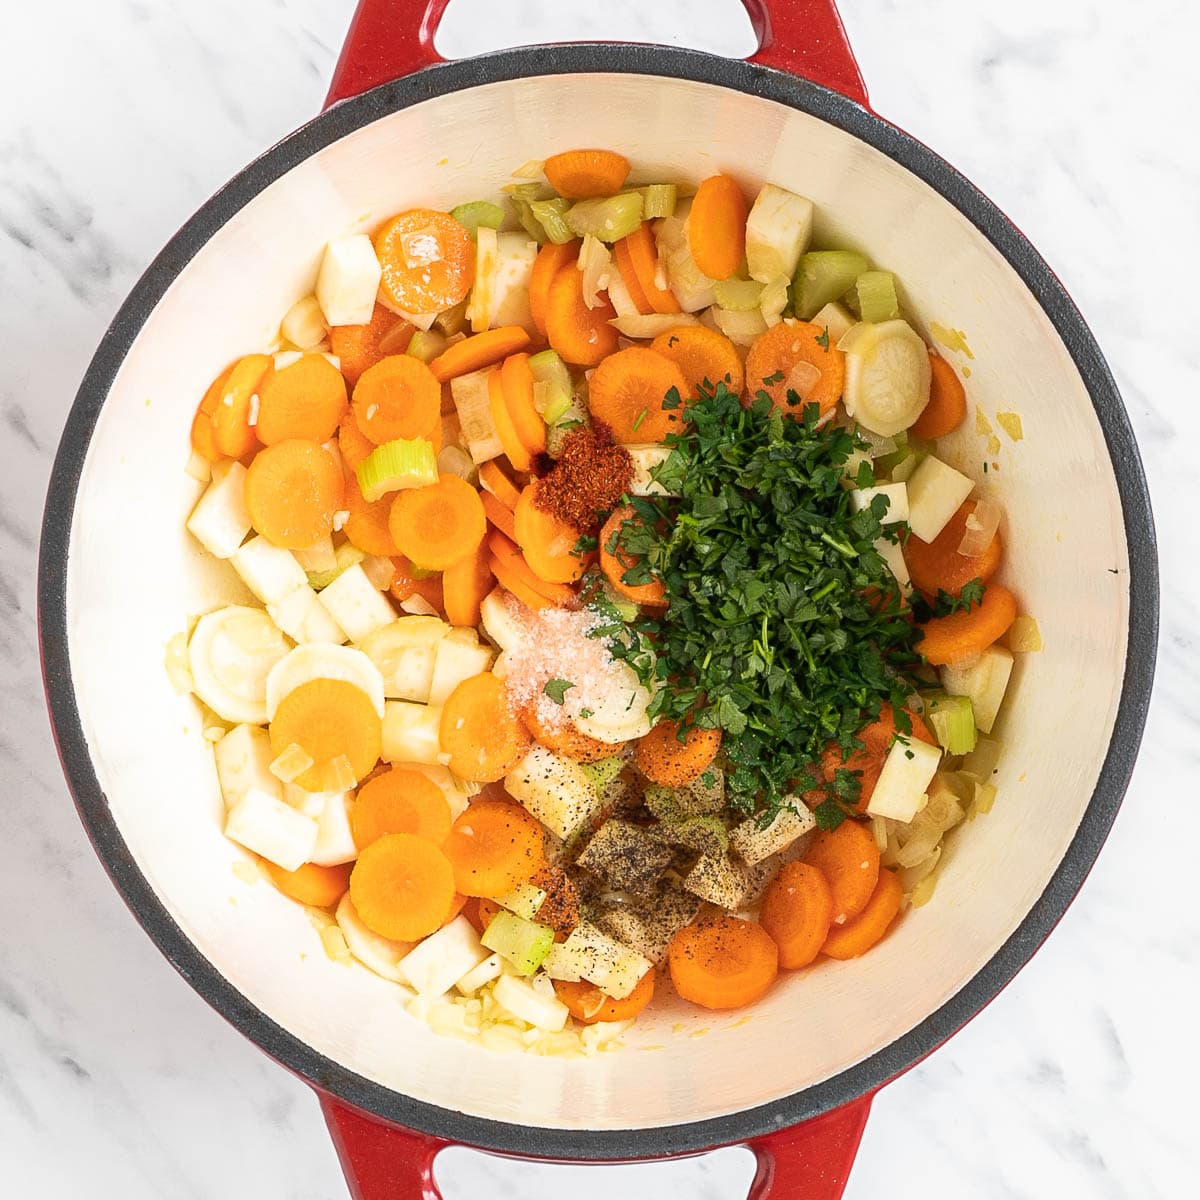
point(1062, 528)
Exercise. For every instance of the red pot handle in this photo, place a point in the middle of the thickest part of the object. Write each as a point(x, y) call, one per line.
point(807, 1162)
point(389, 39)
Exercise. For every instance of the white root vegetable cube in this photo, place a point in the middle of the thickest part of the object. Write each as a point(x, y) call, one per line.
point(410, 732)
point(303, 618)
point(935, 491)
point(614, 968)
point(527, 1004)
point(376, 953)
point(348, 280)
point(455, 661)
point(311, 804)
point(304, 324)
point(836, 318)
point(404, 652)
point(262, 822)
point(335, 842)
point(893, 554)
point(436, 964)
point(317, 558)
point(553, 789)
point(645, 459)
point(897, 498)
point(904, 782)
point(753, 844)
point(563, 964)
point(243, 757)
point(984, 681)
point(355, 605)
point(778, 231)
point(500, 293)
point(269, 571)
point(220, 522)
point(491, 968)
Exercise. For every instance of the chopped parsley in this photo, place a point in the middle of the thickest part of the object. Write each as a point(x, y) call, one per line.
point(946, 603)
point(639, 419)
point(585, 713)
point(823, 340)
point(585, 543)
point(776, 378)
point(557, 690)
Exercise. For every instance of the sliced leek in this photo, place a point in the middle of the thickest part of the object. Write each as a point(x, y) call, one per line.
point(659, 200)
point(395, 466)
point(478, 213)
point(822, 276)
point(551, 215)
point(876, 292)
point(887, 376)
point(608, 219)
point(738, 295)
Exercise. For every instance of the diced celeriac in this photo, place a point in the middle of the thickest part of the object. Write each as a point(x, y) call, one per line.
point(614, 968)
point(742, 328)
point(935, 492)
point(836, 319)
point(438, 962)
point(304, 324)
point(904, 782)
point(355, 604)
point(220, 521)
point(473, 980)
point(318, 558)
point(404, 652)
point(323, 661)
point(311, 804)
point(454, 661)
point(525, 900)
point(753, 844)
point(262, 822)
point(984, 681)
point(348, 281)
point(410, 732)
point(243, 757)
point(892, 553)
point(504, 618)
point(527, 1004)
point(500, 292)
point(335, 842)
point(778, 230)
point(562, 964)
point(555, 790)
point(897, 498)
point(231, 654)
point(645, 459)
point(302, 617)
point(269, 571)
point(721, 881)
point(376, 953)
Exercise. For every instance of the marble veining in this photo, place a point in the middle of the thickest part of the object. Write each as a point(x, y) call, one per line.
point(118, 119)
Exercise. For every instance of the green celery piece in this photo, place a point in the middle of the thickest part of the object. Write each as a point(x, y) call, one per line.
point(738, 295)
point(521, 196)
point(824, 275)
point(911, 460)
point(608, 219)
point(549, 369)
point(393, 466)
point(551, 215)
point(876, 292)
point(345, 555)
point(523, 943)
point(952, 719)
point(475, 213)
point(524, 900)
point(426, 344)
point(885, 462)
point(659, 200)
point(704, 834)
point(602, 773)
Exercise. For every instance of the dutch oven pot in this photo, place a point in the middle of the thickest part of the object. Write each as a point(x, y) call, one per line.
point(119, 576)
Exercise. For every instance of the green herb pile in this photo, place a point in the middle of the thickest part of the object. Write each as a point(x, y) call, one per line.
point(786, 629)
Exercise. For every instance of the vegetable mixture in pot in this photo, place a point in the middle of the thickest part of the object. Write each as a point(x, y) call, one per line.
point(616, 625)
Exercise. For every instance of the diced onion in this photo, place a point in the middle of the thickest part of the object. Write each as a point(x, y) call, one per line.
point(595, 261)
point(981, 528)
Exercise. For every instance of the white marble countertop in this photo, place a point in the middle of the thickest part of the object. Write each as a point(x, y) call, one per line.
point(118, 118)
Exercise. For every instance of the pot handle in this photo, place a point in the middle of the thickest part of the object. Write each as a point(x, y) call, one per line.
point(389, 39)
point(387, 1162)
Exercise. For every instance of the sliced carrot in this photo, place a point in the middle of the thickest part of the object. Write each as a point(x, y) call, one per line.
point(456, 906)
point(629, 393)
point(438, 525)
point(565, 739)
point(561, 907)
point(409, 582)
point(849, 859)
point(663, 758)
point(947, 401)
point(717, 227)
point(508, 553)
point(397, 398)
point(293, 490)
point(512, 582)
point(367, 525)
point(235, 435)
point(354, 445)
point(478, 351)
point(493, 478)
point(775, 356)
point(551, 259)
point(722, 962)
point(615, 562)
point(547, 543)
point(629, 276)
point(358, 347)
point(464, 586)
point(514, 448)
point(328, 719)
point(867, 763)
point(858, 936)
point(428, 261)
point(470, 910)
point(704, 356)
point(318, 887)
point(402, 886)
point(494, 846)
point(582, 174)
point(488, 910)
point(399, 801)
point(582, 335)
point(479, 732)
point(963, 635)
point(501, 517)
point(305, 400)
point(797, 911)
point(641, 254)
point(204, 431)
point(588, 1004)
point(937, 566)
point(517, 380)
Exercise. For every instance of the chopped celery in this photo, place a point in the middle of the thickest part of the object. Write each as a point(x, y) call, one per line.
point(876, 292)
point(396, 465)
point(522, 196)
point(426, 344)
point(659, 200)
point(602, 773)
point(911, 460)
point(894, 457)
point(952, 719)
point(823, 275)
point(524, 900)
point(549, 370)
point(345, 556)
point(699, 798)
point(626, 609)
point(738, 295)
point(608, 219)
point(478, 212)
point(523, 943)
point(573, 416)
point(551, 215)
point(453, 320)
point(704, 834)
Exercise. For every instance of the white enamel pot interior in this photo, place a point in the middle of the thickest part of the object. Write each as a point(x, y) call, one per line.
point(121, 576)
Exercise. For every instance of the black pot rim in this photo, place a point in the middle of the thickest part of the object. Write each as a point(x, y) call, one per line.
point(608, 1144)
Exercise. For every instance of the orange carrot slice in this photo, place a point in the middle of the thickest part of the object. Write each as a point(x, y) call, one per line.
point(629, 276)
point(478, 351)
point(293, 490)
point(717, 227)
point(235, 436)
point(305, 400)
point(564, 739)
point(582, 174)
point(615, 562)
point(517, 381)
point(358, 347)
point(937, 566)
point(508, 579)
point(663, 758)
point(551, 259)
point(858, 936)
point(204, 431)
point(367, 526)
point(797, 911)
point(328, 719)
point(547, 543)
point(318, 887)
point(963, 635)
point(704, 356)
point(514, 448)
point(771, 366)
point(438, 525)
point(867, 763)
point(506, 552)
point(723, 963)
point(640, 254)
point(499, 516)
point(849, 859)
point(499, 484)
point(399, 801)
point(628, 391)
point(354, 445)
point(464, 586)
point(947, 401)
point(588, 1004)
point(428, 261)
point(582, 335)
point(480, 733)
point(494, 846)
point(402, 887)
point(397, 398)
